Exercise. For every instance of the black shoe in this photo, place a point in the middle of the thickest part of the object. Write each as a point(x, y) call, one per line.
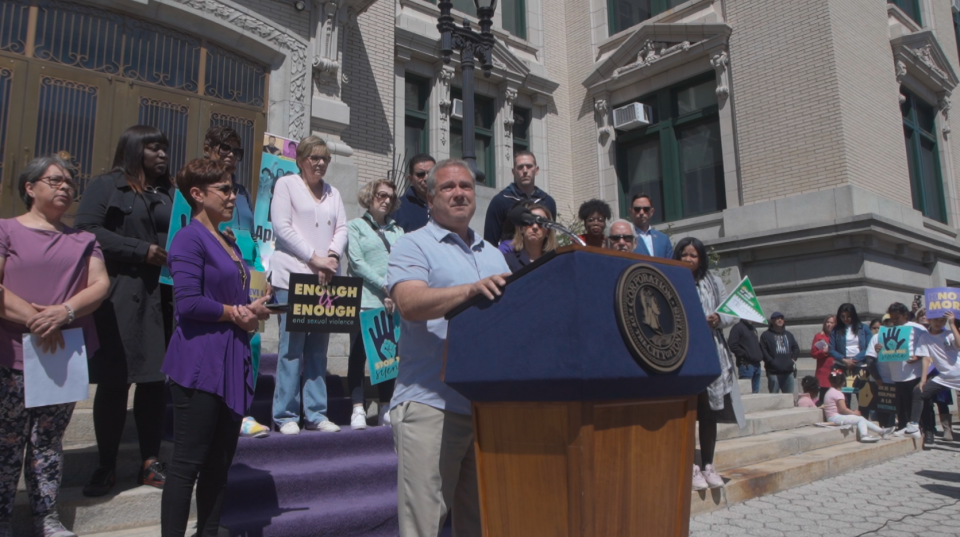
point(101, 482)
point(928, 439)
point(154, 475)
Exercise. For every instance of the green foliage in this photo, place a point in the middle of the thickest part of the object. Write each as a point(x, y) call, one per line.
point(573, 223)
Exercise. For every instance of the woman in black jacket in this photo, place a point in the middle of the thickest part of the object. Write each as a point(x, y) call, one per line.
point(129, 211)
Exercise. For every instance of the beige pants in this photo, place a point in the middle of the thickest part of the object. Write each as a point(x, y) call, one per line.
point(437, 471)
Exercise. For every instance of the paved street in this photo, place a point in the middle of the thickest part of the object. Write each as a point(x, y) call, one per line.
point(914, 495)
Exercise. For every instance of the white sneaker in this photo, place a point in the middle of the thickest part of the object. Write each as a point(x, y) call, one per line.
point(325, 426)
point(383, 418)
point(913, 431)
point(900, 432)
point(358, 421)
point(699, 483)
point(290, 427)
point(887, 431)
point(869, 439)
point(711, 476)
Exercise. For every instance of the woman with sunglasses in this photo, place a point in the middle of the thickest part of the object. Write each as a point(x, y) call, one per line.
point(53, 278)
point(209, 359)
point(530, 242)
point(310, 226)
point(371, 238)
point(129, 211)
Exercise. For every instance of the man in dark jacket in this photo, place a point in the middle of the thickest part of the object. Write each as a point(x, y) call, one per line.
point(525, 169)
point(413, 213)
point(780, 353)
point(744, 343)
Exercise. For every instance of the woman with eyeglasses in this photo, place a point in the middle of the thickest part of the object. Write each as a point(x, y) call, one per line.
point(129, 211)
point(530, 242)
point(370, 239)
point(594, 214)
point(310, 226)
point(209, 359)
point(53, 277)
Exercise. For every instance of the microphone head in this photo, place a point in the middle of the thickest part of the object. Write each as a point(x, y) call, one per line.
point(520, 215)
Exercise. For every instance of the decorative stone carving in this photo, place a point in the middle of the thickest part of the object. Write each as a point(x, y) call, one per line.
point(605, 130)
point(901, 73)
point(719, 63)
point(326, 61)
point(294, 47)
point(445, 77)
point(925, 55)
point(509, 96)
point(652, 52)
point(944, 106)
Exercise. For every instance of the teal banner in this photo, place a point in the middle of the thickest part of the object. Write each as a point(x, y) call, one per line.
point(381, 339)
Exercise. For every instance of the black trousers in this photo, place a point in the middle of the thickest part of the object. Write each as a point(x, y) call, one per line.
point(922, 407)
point(110, 416)
point(355, 364)
point(707, 423)
point(904, 399)
point(204, 442)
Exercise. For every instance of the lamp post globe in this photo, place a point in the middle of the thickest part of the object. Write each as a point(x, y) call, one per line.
point(486, 4)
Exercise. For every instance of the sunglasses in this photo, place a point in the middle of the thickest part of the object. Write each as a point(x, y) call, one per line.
point(226, 149)
point(420, 175)
point(226, 190)
point(642, 209)
point(618, 238)
point(317, 159)
point(384, 196)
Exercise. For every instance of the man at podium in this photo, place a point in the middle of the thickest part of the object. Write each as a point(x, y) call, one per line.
point(431, 271)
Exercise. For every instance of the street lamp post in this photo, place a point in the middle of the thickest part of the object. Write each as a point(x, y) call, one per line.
point(472, 46)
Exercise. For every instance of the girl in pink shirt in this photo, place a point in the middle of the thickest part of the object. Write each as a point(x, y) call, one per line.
point(836, 411)
point(811, 389)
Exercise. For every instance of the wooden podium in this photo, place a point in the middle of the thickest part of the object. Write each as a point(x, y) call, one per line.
point(576, 435)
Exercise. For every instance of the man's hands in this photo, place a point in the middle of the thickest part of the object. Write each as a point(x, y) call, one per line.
point(156, 255)
point(489, 286)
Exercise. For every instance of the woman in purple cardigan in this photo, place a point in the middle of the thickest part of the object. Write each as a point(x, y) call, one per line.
point(208, 360)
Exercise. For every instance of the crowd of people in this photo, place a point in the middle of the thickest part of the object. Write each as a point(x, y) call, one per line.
point(415, 253)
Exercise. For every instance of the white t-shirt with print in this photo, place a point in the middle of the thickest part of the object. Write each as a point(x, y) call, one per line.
point(942, 349)
point(899, 371)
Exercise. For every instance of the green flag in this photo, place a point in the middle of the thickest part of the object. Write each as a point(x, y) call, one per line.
point(743, 303)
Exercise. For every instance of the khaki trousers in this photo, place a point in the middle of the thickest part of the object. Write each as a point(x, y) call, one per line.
point(437, 471)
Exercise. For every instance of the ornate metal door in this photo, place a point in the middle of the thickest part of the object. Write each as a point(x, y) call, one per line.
point(13, 77)
point(176, 115)
point(250, 124)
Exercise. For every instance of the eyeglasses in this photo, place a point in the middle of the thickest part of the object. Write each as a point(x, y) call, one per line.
point(384, 196)
point(618, 238)
point(420, 175)
point(317, 159)
point(226, 190)
point(57, 182)
point(226, 149)
point(642, 209)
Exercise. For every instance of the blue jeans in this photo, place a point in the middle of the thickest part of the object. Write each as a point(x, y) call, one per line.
point(780, 383)
point(752, 372)
point(306, 352)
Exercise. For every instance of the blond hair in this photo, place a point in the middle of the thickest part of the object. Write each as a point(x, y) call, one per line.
point(549, 239)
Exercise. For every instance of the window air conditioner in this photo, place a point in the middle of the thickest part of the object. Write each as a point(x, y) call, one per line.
point(632, 116)
point(457, 109)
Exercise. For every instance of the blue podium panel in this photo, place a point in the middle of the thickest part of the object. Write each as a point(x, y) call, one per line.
point(553, 336)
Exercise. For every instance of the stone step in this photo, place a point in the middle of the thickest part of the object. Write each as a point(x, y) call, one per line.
point(769, 477)
point(748, 450)
point(80, 460)
point(80, 430)
point(762, 402)
point(769, 421)
point(131, 507)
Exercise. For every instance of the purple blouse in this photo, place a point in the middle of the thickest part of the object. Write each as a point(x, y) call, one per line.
point(204, 353)
point(46, 268)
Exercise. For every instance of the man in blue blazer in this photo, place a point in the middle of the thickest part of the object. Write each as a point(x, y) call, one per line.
point(649, 241)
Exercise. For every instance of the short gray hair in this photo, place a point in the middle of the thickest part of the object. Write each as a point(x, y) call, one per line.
point(35, 169)
point(448, 163)
point(620, 221)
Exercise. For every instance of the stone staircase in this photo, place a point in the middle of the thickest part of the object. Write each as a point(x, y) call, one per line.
point(781, 448)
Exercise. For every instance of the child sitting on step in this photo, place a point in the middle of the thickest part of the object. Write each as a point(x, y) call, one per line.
point(811, 391)
point(836, 411)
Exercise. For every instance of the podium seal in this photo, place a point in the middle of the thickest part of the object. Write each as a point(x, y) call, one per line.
point(651, 318)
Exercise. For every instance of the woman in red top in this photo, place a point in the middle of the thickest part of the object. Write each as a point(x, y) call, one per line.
point(820, 351)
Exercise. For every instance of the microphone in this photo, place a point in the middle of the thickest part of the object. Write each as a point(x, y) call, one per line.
point(520, 216)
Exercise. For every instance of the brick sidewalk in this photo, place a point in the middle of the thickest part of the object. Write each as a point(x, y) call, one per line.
point(918, 494)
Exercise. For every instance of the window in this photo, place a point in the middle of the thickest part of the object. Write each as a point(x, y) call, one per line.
point(624, 14)
point(514, 16)
point(956, 28)
point(677, 159)
point(417, 116)
point(910, 7)
point(521, 130)
point(485, 114)
point(926, 185)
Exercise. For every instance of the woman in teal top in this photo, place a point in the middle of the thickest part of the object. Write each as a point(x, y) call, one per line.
point(370, 238)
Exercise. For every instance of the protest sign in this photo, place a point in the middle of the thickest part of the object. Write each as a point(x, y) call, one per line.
point(179, 218)
point(58, 377)
point(272, 169)
point(877, 398)
point(941, 300)
point(895, 342)
point(381, 340)
point(334, 307)
point(743, 303)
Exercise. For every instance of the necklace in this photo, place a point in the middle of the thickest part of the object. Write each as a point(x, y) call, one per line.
point(233, 257)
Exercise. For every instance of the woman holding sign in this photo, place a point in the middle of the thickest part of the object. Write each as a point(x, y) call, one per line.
point(129, 211)
point(310, 225)
point(209, 359)
point(721, 401)
point(53, 278)
point(371, 237)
